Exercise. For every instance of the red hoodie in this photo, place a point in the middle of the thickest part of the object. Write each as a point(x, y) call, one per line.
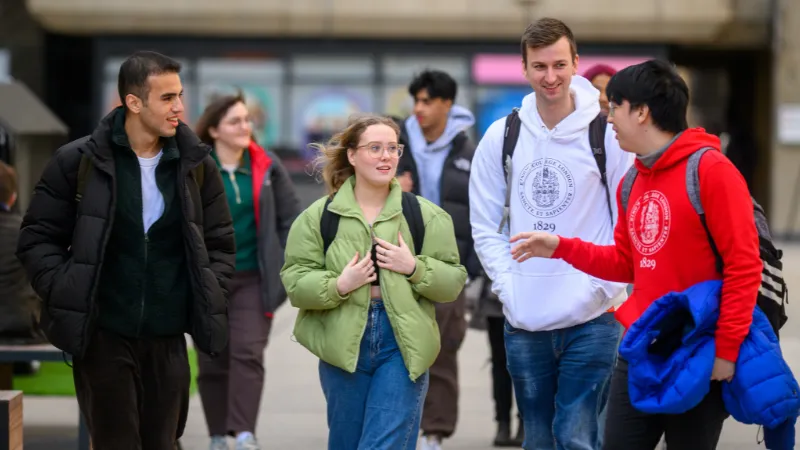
point(661, 245)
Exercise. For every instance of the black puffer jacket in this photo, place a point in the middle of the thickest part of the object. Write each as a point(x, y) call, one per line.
point(62, 242)
point(454, 191)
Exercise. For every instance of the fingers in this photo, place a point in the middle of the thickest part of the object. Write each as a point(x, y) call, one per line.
point(400, 240)
point(385, 244)
point(364, 262)
point(372, 278)
point(521, 236)
point(354, 260)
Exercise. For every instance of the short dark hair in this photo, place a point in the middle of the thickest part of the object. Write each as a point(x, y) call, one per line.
point(438, 84)
point(658, 85)
point(8, 182)
point(213, 115)
point(135, 70)
point(545, 32)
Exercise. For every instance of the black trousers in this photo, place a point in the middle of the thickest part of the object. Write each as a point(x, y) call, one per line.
point(630, 429)
point(134, 393)
point(502, 387)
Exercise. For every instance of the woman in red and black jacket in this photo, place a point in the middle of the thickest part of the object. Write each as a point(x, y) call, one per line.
point(263, 205)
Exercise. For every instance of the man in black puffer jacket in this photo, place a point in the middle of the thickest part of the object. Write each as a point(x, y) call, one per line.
point(129, 242)
point(436, 165)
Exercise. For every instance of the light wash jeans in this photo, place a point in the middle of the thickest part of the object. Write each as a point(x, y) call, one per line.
point(378, 406)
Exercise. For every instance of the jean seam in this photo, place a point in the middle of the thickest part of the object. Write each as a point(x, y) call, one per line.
point(417, 409)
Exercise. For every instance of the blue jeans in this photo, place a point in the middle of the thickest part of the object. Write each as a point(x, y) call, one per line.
point(561, 381)
point(377, 406)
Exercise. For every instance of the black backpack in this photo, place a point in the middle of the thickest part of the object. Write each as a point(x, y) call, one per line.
point(329, 223)
point(773, 292)
point(597, 141)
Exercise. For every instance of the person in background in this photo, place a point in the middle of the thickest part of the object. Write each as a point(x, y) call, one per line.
point(490, 309)
point(599, 75)
point(263, 205)
point(436, 165)
point(366, 304)
point(20, 306)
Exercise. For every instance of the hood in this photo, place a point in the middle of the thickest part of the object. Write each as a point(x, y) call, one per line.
point(687, 143)
point(460, 119)
point(587, 107)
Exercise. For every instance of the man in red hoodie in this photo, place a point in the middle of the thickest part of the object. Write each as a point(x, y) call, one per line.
point(661, 246)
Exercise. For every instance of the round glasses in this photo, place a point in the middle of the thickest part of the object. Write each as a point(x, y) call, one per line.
point(376, 149)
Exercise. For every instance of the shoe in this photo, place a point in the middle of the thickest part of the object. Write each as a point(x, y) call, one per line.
point(247, 443)
point(503, 437)
point(218, 443)
point(430, 443)
point(519, 439)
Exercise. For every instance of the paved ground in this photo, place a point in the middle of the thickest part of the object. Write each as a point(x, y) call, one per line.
point(293, 411)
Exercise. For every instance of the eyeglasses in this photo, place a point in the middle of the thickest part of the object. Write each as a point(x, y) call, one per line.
point(376, 149)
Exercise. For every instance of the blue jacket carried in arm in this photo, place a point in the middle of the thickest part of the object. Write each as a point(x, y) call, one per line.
point(670, 352)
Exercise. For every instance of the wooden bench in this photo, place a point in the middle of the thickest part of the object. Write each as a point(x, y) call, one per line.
point(9, 354)
point(10, 420)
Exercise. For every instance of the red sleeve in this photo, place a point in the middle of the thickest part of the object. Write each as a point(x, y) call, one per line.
point(729, 215)
point(607, 262)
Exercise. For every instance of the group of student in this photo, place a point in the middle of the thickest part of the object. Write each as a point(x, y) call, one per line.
point(561, 206)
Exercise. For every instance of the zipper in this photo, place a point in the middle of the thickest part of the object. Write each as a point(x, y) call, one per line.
point(235, 188)
point(144, 285)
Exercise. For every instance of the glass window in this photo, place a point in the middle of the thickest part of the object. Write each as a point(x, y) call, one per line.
point(260, 81)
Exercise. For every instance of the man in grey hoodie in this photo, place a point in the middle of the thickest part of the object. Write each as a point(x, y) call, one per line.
point(436, 166)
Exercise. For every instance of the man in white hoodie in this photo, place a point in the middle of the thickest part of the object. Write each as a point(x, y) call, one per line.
point(561, 338)
point(436, 165)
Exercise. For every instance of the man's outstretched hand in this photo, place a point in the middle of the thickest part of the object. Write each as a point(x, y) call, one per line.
point(533, 244)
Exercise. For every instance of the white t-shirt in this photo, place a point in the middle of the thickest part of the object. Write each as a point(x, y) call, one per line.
point(152, 199)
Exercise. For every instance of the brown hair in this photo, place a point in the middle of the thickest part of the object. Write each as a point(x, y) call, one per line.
point(332, 161)
point(213, 115)
point(8, 182)
point(545, 32)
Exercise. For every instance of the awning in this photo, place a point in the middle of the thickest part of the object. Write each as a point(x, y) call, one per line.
point(22, 113)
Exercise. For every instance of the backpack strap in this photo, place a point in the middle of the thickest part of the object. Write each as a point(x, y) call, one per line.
point(693, 189)
point(329, 222)
point(513, 125)
point(328, 225)
point(413, 214)
point(83, 175)
point(627, 185)
point(597, 141)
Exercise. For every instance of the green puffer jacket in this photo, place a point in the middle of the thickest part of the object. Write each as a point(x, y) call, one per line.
point(331, 326)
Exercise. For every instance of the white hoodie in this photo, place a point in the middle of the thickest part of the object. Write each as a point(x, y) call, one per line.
point(556, 188)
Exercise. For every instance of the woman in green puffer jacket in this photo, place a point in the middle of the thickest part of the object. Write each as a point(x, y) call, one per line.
point(366, 305)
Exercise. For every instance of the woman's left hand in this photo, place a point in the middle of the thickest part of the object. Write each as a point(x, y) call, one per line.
point(397, 258)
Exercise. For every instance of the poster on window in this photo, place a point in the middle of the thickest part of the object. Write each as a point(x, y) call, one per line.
point(263, 104)
point(318, 112)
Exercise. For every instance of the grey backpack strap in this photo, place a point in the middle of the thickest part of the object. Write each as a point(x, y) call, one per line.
point(693, 189)
point(693, 179)
point(627, 185)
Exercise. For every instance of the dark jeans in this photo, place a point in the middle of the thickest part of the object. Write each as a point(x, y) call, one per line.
point(231, 384)
point(561, 380)
point(134, 393)
point(630, 429)
point(502, 388)
point(440, 411)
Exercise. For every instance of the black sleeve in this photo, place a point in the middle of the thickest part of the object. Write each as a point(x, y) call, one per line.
point(217, 225)
point(46, 231)
point(287, 203)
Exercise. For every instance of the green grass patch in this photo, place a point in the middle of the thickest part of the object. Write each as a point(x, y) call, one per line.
point(54, 378)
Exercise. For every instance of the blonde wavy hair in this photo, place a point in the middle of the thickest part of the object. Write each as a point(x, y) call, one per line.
point(332, 162)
